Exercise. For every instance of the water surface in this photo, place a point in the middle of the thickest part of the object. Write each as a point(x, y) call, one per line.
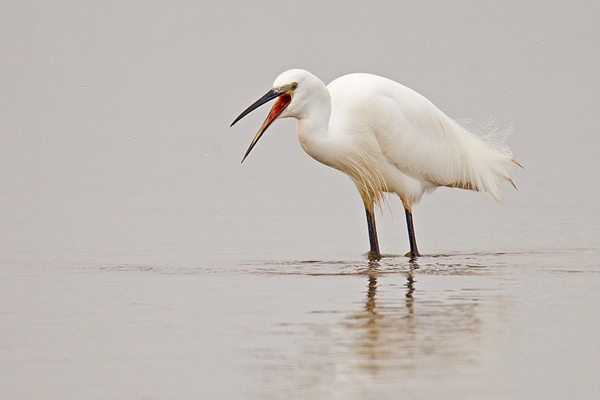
point(102, 319)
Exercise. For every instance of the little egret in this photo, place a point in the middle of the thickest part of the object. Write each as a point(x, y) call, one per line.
point(386, 138)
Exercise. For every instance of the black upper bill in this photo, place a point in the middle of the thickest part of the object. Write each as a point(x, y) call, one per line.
point(270, 95)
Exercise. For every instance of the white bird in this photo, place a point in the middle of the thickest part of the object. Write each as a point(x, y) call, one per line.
point(387, 138)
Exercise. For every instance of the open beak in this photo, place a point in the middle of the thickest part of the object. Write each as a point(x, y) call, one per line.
point(284, 97)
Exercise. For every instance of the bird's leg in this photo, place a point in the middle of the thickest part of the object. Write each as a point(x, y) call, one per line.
point(374, 254)
point(414, 252)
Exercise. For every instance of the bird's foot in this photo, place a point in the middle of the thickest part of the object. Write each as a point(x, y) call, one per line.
point(412, 255)
point(374, 256)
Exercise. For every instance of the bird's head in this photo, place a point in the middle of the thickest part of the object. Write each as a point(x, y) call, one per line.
point(292, 90)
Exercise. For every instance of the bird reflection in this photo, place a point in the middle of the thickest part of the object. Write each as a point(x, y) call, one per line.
point(414, 322)
point(409, 332)
point(372, 290)
point(410, 284)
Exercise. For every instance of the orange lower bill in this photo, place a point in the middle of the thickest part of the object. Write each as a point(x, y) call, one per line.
point(280, 104)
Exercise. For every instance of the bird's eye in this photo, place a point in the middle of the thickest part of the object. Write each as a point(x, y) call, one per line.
point(294, 86)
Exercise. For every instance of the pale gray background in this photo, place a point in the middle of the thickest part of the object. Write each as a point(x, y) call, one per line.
point(117, 106)
point(123, 203)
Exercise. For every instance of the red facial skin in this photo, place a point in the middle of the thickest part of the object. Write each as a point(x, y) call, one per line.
point(280, 104)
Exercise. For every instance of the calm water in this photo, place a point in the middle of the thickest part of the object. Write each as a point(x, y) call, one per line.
point(153, 304)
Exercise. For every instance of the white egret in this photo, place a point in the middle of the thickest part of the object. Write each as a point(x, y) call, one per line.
point(386, 138)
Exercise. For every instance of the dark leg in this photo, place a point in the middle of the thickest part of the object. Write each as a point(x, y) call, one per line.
point(374, 254)
point(414, 252)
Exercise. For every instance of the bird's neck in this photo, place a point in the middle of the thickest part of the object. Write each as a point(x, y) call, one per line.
point(313, 133)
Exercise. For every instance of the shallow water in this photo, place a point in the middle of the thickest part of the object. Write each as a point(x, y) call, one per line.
point(125, 317)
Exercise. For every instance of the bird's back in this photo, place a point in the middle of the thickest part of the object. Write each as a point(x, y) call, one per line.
point(415, 137)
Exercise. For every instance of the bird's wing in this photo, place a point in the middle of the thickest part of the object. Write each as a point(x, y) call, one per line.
point(417, 138)
point(421, 141)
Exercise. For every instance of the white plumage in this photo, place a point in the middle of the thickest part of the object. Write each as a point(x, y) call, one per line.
point(386, 138)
